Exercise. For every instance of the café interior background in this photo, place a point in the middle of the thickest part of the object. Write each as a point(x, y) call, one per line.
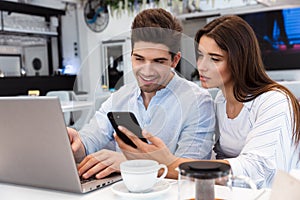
point(87, 53)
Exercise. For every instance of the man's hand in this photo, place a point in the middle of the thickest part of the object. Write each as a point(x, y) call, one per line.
point(76, 144)
point(157, 150)
point(100, 164)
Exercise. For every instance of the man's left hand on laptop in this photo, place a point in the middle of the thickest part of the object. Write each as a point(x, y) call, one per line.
point(76, 144)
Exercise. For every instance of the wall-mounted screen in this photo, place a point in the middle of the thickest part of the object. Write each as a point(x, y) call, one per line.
point(278, 33)
point(10, 64)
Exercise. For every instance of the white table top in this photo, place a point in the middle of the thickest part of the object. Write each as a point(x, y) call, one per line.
point(15, 192)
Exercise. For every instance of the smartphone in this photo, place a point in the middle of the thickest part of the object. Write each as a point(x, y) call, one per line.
point(129, 121)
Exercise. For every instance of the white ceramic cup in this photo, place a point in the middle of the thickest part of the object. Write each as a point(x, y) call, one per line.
point(141, 175)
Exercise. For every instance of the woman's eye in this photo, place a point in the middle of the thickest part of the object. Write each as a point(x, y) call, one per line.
point(199, 54)
point(215, 59)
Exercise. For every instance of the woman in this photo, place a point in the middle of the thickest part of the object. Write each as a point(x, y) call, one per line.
point(258, 122)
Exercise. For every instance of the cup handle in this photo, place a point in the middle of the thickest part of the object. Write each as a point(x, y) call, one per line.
point(162, 166)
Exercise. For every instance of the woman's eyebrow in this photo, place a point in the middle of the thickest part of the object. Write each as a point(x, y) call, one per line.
point(211, 54)
point(215, 54)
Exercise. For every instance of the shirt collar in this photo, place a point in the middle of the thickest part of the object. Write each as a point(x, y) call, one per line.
point(221, 99)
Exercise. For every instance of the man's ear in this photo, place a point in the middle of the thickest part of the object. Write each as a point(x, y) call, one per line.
point(176, 59)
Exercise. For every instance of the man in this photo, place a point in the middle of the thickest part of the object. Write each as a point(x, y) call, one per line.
point(172, 108)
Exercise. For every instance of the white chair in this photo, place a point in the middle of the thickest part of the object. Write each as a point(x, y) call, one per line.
point(62, 96)
point(88, 114)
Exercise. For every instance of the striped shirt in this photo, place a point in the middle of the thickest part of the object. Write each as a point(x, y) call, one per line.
point(259, 140)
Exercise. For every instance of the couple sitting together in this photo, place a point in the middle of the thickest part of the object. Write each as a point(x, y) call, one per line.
point(253, 124)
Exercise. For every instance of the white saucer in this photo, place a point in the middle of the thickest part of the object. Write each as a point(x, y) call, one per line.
point(158, 189)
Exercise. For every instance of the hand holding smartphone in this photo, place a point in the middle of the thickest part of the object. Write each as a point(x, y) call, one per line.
point(129, 121)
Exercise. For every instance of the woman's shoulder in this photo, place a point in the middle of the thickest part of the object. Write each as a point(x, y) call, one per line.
point(272, 95)
point(275, 99)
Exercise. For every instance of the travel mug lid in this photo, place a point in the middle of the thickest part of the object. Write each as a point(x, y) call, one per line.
point(204, 169)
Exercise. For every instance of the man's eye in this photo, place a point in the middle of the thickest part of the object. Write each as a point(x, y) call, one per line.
point(160, 61)
point(137, 58)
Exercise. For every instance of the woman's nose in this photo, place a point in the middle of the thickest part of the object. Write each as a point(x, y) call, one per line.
point(201, 65)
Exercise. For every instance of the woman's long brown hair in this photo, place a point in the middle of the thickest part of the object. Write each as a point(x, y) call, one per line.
point(237, 38)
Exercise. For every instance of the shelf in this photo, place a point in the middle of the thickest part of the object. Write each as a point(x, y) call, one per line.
point(48, 25)
point(12, 31)
point(29, 9)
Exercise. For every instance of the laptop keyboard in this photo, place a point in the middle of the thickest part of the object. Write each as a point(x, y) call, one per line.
point(82, 180)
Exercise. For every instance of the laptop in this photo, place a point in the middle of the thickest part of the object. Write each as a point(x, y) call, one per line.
point(35, 148)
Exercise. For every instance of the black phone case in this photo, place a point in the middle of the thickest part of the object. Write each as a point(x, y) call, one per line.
point(129, 121)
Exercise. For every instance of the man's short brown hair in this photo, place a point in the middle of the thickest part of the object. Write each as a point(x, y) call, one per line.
point(157, 26)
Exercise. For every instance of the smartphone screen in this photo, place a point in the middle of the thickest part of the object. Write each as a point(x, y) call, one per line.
point(129, 121)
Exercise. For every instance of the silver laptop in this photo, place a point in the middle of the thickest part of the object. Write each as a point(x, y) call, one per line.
point(35, 149)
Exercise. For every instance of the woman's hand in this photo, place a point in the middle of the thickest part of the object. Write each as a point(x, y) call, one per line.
point(156, 150)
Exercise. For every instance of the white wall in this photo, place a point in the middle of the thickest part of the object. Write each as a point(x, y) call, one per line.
point(90, 51)
point(70, 55)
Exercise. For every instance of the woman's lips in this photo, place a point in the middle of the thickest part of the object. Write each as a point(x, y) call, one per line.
point(203, 78)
